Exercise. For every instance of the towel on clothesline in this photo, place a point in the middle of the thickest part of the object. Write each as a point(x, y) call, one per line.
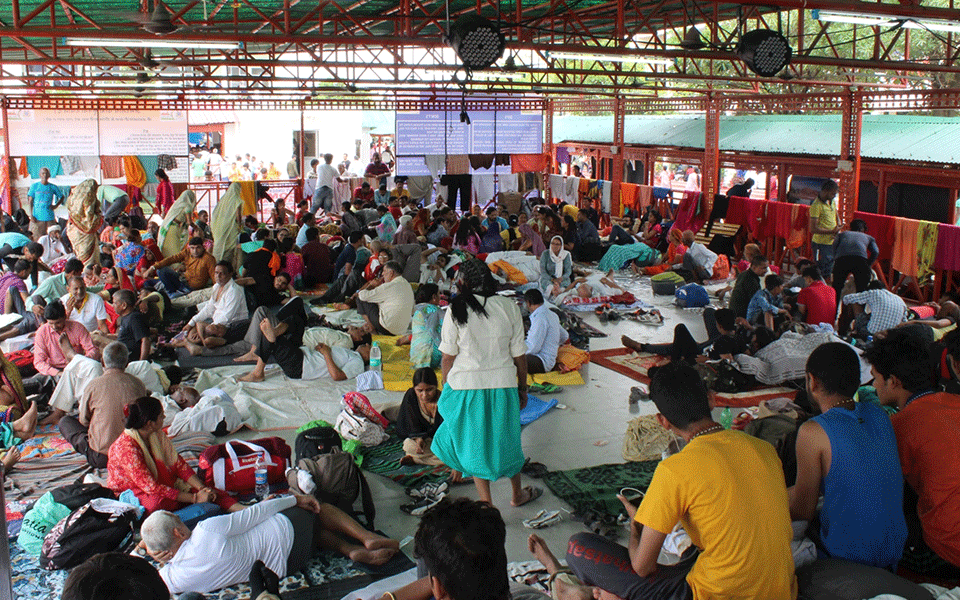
point(904, 257)
point(948, 243)
point(528, 163)
point(248, 194)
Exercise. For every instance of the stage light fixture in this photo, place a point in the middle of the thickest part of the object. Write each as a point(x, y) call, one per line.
point(476, 41)
point(765, 52)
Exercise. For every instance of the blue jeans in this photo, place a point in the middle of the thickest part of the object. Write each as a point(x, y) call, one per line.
point(322, 197)
point(172, 282)
point(823, 256)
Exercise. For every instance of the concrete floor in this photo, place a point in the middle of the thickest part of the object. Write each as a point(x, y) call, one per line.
point(588, 432)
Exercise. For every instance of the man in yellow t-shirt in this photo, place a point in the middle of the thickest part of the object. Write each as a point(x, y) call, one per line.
point(725, 488)
point(824, 227)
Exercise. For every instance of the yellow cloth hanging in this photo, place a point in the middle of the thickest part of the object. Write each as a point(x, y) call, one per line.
point(927, 235)
point(134, 172)
point(248, 192)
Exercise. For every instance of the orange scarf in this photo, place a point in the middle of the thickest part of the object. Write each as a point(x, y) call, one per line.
point(274, 263)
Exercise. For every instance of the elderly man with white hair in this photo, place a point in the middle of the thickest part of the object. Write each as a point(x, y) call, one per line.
point(100, 419)
point(80, 371)
point(282, 532)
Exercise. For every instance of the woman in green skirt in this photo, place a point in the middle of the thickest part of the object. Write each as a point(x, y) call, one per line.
point(485, 385)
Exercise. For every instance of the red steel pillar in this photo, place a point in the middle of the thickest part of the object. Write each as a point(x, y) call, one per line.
point(710, 176)
point(849, 166)
point(616, 173)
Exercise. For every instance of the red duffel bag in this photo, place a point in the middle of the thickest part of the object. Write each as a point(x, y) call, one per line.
point(230, 466)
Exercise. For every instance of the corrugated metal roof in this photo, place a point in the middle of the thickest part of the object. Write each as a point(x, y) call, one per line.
point(889, 137)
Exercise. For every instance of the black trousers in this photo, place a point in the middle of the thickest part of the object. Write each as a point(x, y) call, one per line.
point(684, 347)
point(461, 184)
point(76, 434)
point(843, 266)
point(286, 350)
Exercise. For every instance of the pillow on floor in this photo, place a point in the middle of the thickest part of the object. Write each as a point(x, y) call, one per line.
point(833, 579)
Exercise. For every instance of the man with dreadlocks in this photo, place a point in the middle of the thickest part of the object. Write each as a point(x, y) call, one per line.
point(485, 385)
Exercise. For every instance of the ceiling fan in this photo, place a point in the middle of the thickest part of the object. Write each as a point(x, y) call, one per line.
point(158, 22)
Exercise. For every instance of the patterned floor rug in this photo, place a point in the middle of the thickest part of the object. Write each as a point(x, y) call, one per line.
point(596, 488)
point(33, 582)
point(635, 366)
point(384, 459)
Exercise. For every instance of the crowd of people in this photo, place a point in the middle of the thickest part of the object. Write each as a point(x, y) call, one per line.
point(429, 276)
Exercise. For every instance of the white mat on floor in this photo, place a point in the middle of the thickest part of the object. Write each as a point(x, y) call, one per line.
point(279, 401)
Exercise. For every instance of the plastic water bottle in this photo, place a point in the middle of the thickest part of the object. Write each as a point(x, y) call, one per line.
point(726, 418)
point(262, 488)
point(376, 359)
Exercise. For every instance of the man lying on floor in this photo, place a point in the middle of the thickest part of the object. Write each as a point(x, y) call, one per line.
point(283, 532)
point(281, 336)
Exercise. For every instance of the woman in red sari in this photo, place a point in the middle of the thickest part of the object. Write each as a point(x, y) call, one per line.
point(144, 461)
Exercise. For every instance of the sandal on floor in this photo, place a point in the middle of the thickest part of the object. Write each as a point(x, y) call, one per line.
point(544, 518)
point(534, 469)
point(545, 388)
point(532, 493)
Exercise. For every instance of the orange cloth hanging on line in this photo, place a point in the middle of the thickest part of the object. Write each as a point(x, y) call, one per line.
point(134, 172)
point(248, 194)
point(800, 216)
point(528, 163)
point(23, 172)
point(111, 166)
point(904, 257)
point(630, 196)
point(646, 197)
point(583, 193)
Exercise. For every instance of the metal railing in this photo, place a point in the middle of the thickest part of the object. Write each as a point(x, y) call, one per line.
point(209, 194)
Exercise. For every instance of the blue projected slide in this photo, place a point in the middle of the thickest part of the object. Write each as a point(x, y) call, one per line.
point(420, 133)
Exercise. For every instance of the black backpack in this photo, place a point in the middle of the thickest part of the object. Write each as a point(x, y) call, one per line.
point(77, 494)
point(339, 482)
point(91, 529)
point(317, 440)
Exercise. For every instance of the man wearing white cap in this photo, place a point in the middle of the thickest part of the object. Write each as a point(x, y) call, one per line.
point(53, 248)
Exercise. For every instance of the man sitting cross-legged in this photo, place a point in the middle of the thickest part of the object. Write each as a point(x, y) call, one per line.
point(727, 490)
point(849, 452)
point(221, 319)
point(100, 420)
point(281, 336)
point(283, 532)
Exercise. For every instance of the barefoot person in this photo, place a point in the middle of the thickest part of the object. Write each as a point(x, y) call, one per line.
point(16, 432)
point(283, 532)
point(485, 373)
point(222, 318)
point(281, 336)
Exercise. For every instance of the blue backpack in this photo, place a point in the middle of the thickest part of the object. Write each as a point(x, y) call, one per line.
point(692, 295)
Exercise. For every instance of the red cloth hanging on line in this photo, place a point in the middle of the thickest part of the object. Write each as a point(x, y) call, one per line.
point(528, 163)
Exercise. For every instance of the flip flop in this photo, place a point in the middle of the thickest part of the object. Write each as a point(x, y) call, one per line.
point(534, 469)
point(543, 519)
point(532, 494)
point(545, 388)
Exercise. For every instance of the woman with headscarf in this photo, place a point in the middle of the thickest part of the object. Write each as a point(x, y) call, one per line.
point(556, 266)
point(225, 223)
point(127, 256)
point(174, 231)
point(485, 374)
point(530, 241)
point(421, 222)
point(405, 234)
point(85, 221)
point(491, 240)
point(674, 256)
point(387, 226)
point(144, 461)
